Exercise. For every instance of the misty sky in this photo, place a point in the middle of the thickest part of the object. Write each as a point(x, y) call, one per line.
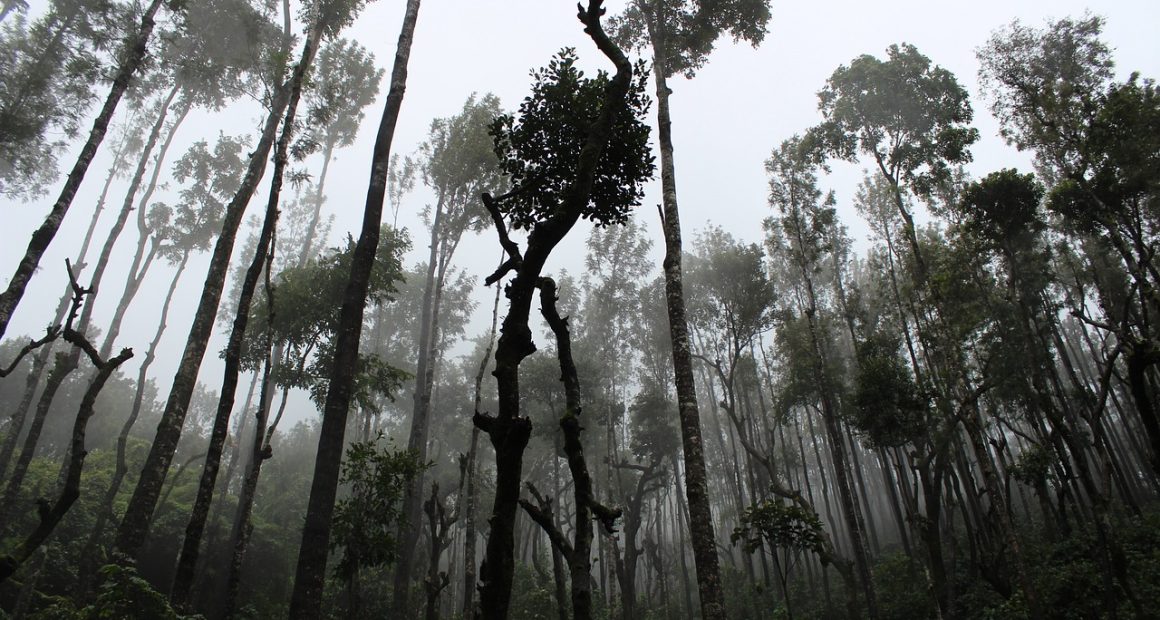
point(725, 122)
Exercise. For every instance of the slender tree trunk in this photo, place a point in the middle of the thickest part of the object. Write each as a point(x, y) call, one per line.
point(135, 524)
point(90, 557)
point(469, 535)
point(420, 422)
point(263, 256)
point(141, 260)
point(135, 48)
point(311, 570)
point(308, 246)
point(696, 485)
point(243, 527)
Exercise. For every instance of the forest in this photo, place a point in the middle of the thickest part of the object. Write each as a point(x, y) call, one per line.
point(506, 382)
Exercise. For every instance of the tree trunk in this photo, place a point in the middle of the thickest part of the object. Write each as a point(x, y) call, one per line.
point(263, 257)
point(420, 422)
point(311, 570)
point(135, 524)
point(696, 486)
point(135, 48)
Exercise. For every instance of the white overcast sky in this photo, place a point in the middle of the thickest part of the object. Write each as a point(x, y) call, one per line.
point(725, 121)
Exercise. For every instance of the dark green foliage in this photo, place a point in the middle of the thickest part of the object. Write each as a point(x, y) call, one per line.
point(888, 408)
point(365, 522)
point(1003, 206)
point(1034, 466)
point(654, 429)
point(902, 593)
point(539, 147)
point(306, 306)
point(121, 595)
point(779, 525)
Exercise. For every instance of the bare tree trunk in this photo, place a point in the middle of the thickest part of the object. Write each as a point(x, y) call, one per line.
point(696, 485)
point(135, 524)
point(50, 515)
point(469, 535)
point(135, 48)
point(310, 574)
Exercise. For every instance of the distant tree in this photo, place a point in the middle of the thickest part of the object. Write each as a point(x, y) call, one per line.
point(911, 118)
point(48, 71)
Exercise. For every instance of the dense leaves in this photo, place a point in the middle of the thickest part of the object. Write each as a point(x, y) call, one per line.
point(539, 146)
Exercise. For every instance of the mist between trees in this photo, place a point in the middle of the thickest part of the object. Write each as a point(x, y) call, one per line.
point(951, 416)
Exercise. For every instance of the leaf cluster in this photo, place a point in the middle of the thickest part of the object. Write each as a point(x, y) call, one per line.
point(538, 147)
point(911, 116)
point(779, 524)
point(365, 521)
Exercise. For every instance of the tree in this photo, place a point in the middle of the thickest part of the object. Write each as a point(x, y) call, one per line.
point(458, 163)
point(311, 570)
point(788, 529)
point(681, 34)
point(800, 234)
point(910, 117)
point(578, 149)
point(365, 522)
point(134, 54)
point(48, 71)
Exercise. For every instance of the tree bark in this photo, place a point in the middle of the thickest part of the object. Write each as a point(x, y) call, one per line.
point(310, 574)
point(696, 486)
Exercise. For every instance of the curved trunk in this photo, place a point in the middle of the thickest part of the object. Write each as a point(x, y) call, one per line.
point(142, 261)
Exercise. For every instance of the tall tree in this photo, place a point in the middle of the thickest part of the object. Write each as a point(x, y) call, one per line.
point(910, 117)
point(578, 149)
point(458, 163)
point(681, 34)
point(800, 233)
point(311, 570)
